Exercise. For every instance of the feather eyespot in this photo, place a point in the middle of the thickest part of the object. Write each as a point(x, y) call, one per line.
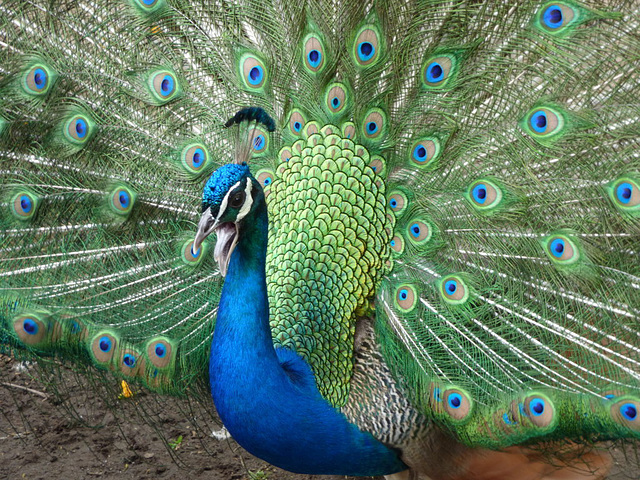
point(313, 54)
point(367, 47)
point(457, 404)
point(454, 290)
point(259, 140)
point(195, 157)
point(484, 195)
point(437, 71)
point(336, 98)
point(419, 232)
point(544, 124)
point(78, 129)
point(103, 347)
point(160, 352)
point(374, 125)
point(148, 6)
point(32, 329)
point(285, 154)
point(24, 205)
point(539, 410)
point(131, 362)
point(543, 121)
point(378, 165)
point(425, 151)
point(265, 178)
point(348, 130)
point(397, 244)
point(189, 257)
point(164, 86)
point(556, 17)
point(626, 411)
point(625, 193)
point(398, 202)
point(562, 250)
point(406, 298)
point(122, 200)
point(254, 73)
point(296, 122)
point(38, 79)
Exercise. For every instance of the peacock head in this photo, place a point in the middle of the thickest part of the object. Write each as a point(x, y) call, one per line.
point(230, 195)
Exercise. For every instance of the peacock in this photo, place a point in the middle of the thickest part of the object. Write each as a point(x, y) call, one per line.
point(386, 237)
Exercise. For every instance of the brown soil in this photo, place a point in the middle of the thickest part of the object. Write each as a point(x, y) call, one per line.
point(40, 439)
point(59, 428)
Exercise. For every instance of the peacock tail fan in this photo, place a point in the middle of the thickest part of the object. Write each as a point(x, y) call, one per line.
point(464, 173)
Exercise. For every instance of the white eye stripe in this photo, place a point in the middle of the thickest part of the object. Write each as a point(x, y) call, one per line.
point(225, 200)
point(246, 206)
point(248, 201)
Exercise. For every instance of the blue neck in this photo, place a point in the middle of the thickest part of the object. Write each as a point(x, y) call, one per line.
point(267, 399)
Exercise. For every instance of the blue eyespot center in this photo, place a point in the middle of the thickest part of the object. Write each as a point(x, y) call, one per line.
point(436, 394)
point(105, 344)
point(539, 121)
point(25, 203)
point(552, 17)
point(537, 407)
point(160, 349)
point(167, 85)
point(30, 326)
point(415, 230)
point(198, 158)
point(393, 203)
point(314, 58)
point(624, 191)
point(40, 78)
point(255, 75)
point(557, 247)
point(451, 286)
point(366, 50)
point(629, 411)
point(404, 294)
point(335, 102)
point(506, 419)
point(259, 142)
point(420, 153)
point(81, 128)
point(392, 243)
point(75, 327)
point(195, 254)
point(123, 198)
point(297, 126)
point(267, 181)
point(129, 360)
point(435, 72)
point(479, 193)
point(372, 127)
point(455, 400)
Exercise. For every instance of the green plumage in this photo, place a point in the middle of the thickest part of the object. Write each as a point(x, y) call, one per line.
point(464, 174)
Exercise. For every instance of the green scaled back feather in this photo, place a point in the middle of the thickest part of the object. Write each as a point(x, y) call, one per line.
point(465, 174)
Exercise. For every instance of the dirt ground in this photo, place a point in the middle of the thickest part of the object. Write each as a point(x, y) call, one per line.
point(39, 440)
point(96, 435)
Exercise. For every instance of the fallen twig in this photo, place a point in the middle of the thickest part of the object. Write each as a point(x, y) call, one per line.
point(30, 390)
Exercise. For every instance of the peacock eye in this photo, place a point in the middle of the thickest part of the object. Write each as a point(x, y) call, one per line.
point(237, 200)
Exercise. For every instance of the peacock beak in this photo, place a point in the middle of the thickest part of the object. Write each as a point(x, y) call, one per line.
point(227, 238)
point(227, 234)
point(206, 225)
